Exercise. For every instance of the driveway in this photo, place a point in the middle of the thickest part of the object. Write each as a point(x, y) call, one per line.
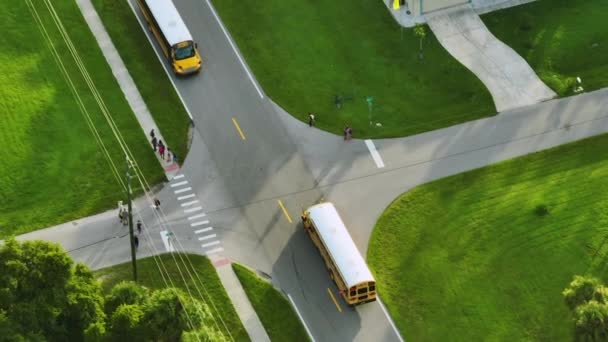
point(507, 76)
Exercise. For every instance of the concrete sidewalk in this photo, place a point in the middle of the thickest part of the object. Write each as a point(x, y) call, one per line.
point(239, 299)
point(508, 77)
point(136, 102)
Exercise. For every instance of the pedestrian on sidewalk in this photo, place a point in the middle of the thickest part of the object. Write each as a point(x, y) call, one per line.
point(156, 203)
point(349, 133)
point(346, 132)
point(138, 226)
point(154, 143)
point(174, 157)
point(169, 155)
point(161, 149)
point(311, 119)
point(136, 240)
point(152, 135)
point(125, 217)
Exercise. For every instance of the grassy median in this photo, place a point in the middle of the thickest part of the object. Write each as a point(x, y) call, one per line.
point(206, 279)
point(560, 39)
point(52, 169)
point(274, 310)
point(304, 53)
point(485, 255)
point(147, 72)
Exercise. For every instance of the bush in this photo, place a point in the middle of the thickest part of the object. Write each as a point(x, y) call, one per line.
point(541, 210)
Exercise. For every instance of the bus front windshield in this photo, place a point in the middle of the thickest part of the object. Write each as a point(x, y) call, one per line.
point(184, 50)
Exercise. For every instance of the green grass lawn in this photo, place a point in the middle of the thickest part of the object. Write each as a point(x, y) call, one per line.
point(52, 170)
point(274, 310)
point(149, 276)
point(468, 258)
point(305, 52)
point(560, 39)
point(150, 78)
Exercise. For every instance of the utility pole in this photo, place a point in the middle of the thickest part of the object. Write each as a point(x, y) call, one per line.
point(131, 236)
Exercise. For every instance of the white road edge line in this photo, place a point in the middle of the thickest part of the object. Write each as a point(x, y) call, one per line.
point(203, 230)
point(192, 209)
point(199, 223)
point(175, 185)
point(390, 320)
point(238, 55)
point(187, 204)
point(162, 59)
point(215, 250)
point(168, 246)
point(179, 191)
point(301, 318)
point(375, 155)
point(181, 198)
point(178, 176)
point(207, 237)
point(209, 244)
point(196, 216)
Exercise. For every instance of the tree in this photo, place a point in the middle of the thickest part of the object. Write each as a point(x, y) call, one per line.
point(43, 295)
point(420, 32)
point(126, 292)
point(580, 291)
point(126, 323)
point(591, 321)
point(165, 317)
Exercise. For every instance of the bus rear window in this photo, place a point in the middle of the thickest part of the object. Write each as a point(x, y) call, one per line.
point(363, 290)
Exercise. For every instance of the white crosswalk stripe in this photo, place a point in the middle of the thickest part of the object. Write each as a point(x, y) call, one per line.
point(207, 237)
point(204, 230)
point(181, 198)
point(175, 185)
point(187, 204)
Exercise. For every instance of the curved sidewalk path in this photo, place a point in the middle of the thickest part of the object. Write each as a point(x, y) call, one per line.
point(508, 77)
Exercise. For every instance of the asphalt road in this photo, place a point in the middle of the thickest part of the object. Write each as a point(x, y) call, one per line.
point(239, 182)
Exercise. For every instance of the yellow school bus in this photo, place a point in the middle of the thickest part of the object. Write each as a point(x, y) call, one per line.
point(342, 259)
point(172, 35)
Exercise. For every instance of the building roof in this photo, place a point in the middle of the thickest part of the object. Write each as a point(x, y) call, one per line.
point(169, 21)
point(339, 244)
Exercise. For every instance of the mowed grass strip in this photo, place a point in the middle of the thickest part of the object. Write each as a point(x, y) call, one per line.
point(560, 39)
point(304, 53)
point(147, 72)
point(52, 170)
point(472, 257)
point(274, 310)
point(213, 293)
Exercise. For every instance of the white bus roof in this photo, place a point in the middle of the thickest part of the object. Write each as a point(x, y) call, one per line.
point(340, 245)
point(169, 21)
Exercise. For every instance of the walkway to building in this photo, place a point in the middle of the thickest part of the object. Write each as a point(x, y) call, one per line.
point(508, 77)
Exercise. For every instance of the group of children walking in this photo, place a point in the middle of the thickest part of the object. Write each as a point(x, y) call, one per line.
point(123, 216)
point(171, 157)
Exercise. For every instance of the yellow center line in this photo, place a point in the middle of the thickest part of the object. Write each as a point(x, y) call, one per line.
point(238, 128)
point(285, 211)
point(334, 299)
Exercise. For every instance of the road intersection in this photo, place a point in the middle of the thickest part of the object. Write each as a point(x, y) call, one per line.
point(252, 168)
